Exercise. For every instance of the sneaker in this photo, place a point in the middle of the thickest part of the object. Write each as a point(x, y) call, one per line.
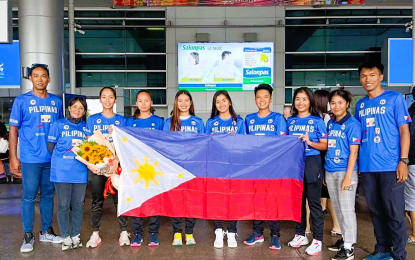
point(50, 236)
point(254, 238)
point(76, 241)
point(153, 240)
point(177, 239)
point(67, 243)
point(275, 243)
point(124, 238)
point(138, 239)
point(232, 240)
point(344, 254)
point(94, 240)
point(190, 240)
point(298, 241)
point(337, 246)
point(378, 256)
point(28, 241)
point(219, 233)
point(314, 248)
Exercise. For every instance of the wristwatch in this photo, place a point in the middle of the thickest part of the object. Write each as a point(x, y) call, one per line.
point(405, 160)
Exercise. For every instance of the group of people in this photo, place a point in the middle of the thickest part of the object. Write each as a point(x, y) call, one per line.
point(375, 142)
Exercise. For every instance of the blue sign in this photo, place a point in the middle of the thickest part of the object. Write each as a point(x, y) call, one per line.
point(400, 62)
point(10, 64)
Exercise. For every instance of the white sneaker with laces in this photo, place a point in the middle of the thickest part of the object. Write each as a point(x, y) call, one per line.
point(124, 238)
point(314, 248)
point(94, 240)
point(66, 243)
point(232, 240)
point(298, 241)
point(219, 238)
point(76, 241)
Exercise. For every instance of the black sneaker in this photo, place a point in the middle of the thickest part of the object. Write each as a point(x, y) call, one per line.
point(337, 246)
point(344, 254)
point(28, 242)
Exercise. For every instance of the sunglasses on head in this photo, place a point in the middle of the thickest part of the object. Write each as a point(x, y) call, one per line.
point(40, 65)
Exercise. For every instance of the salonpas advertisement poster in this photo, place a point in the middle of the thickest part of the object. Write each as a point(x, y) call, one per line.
point(229, 66)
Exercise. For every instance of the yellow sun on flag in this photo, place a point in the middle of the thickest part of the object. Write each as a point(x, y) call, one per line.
point(146, 172)
point(128, 200)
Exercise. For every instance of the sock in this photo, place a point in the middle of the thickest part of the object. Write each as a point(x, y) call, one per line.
point(348, 246)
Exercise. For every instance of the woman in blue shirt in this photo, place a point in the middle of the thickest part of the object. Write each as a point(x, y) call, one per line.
point(223, 120)
point(341, 169)
point(68, 174)
point(308, 125)
point(183, 119)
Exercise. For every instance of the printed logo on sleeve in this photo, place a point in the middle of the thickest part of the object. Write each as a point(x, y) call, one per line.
point(343, 127)
point(377, 139)
point(153, 124)
point(98, 121)
point(216, 123)
point(383, 101)
point(362, 105)
point(292, 122)
point(337, 152)
point(336, 160)
point(52, 102)
point(283, 133)
point(310, 122)
point(117, 122)
point(377, 130)
point(33, 102)
point(354, 140)
point(370, 122)
point(252, 121)
point(45, 118)
point(332, 143)
point(407, 117)
point(270, 121)
point(193, 123)
point(66, 127)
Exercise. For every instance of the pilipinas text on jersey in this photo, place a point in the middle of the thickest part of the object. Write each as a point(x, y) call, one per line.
point(315, 127)
point(380, 118)
point(100, 122)
point(341, 135)
point(273, 124)
point(218, 125)
point(193, 124)
point(34, 116)
point(153, 122)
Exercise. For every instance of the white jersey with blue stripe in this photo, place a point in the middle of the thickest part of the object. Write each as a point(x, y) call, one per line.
point(380, 118)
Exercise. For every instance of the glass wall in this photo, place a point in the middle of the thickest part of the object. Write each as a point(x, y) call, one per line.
point(324, 47)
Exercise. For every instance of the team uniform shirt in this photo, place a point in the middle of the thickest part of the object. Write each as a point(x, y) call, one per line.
point(313, 124)
point(64, 167)
point(100, 122)
point(153, 122)
point(342, 135)
point(380, 119)
point(34, 116)
point(191, 124)
point(273, 124)
point(218, 125)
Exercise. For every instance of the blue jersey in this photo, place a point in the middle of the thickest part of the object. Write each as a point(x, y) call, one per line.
point(313, 124)
point(193, 124)
point(380, 118)
point(100, 122)
point(153, 122)
point(218, 125)
point(273, 124)
point(34, 116)
point(64, 167)
point(342, 135)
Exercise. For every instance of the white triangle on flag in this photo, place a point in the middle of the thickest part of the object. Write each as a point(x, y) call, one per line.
point(354, 139)
point(157, 176)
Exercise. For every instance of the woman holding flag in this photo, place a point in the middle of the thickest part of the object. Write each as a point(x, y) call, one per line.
point(102, 121)
point(223, 120)
point(183, 119)
point(308, 125)
point(144, 118)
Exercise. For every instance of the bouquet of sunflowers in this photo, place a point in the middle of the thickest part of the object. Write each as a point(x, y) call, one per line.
point(95, 152)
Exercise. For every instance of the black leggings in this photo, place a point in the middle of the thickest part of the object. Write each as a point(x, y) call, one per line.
point(230, 223)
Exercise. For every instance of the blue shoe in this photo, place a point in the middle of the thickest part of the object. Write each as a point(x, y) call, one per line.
point(137, 240)
point(253, 239)
point(275, 243)
point(153, 240)
point(378, 256)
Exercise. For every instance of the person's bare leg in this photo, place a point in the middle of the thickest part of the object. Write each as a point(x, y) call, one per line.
point(308, 228)
point(412, 215)
point(324, 203)
point(336, 227)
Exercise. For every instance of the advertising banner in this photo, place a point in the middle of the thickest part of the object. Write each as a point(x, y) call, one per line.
point(229, 66)
point(10, 64)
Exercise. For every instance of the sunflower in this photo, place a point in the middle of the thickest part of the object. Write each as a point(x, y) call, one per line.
point(96, 148)
point(86, 157)
point(108, 154)
point(86, 148)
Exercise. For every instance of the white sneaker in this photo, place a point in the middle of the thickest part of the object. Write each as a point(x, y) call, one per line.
point(94, 240)
point(298, 241)
point(124, 238)
point(232, 240)
point(314, 248)
point(219, 238)
point(66, 243)
point(76, 242)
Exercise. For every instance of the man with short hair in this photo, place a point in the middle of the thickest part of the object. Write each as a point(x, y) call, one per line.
point(383, 161)
point(31, 117)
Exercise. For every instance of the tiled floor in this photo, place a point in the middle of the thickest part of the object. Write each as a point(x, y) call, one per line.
point(11, 237)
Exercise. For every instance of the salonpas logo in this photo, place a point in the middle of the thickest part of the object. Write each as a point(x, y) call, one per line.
point(193, 48)
point(257, 72)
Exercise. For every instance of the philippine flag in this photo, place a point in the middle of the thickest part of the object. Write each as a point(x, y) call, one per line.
point(226, 177)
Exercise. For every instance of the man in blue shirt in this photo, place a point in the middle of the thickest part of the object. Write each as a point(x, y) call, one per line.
point(383, 161)
point(31, 117)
